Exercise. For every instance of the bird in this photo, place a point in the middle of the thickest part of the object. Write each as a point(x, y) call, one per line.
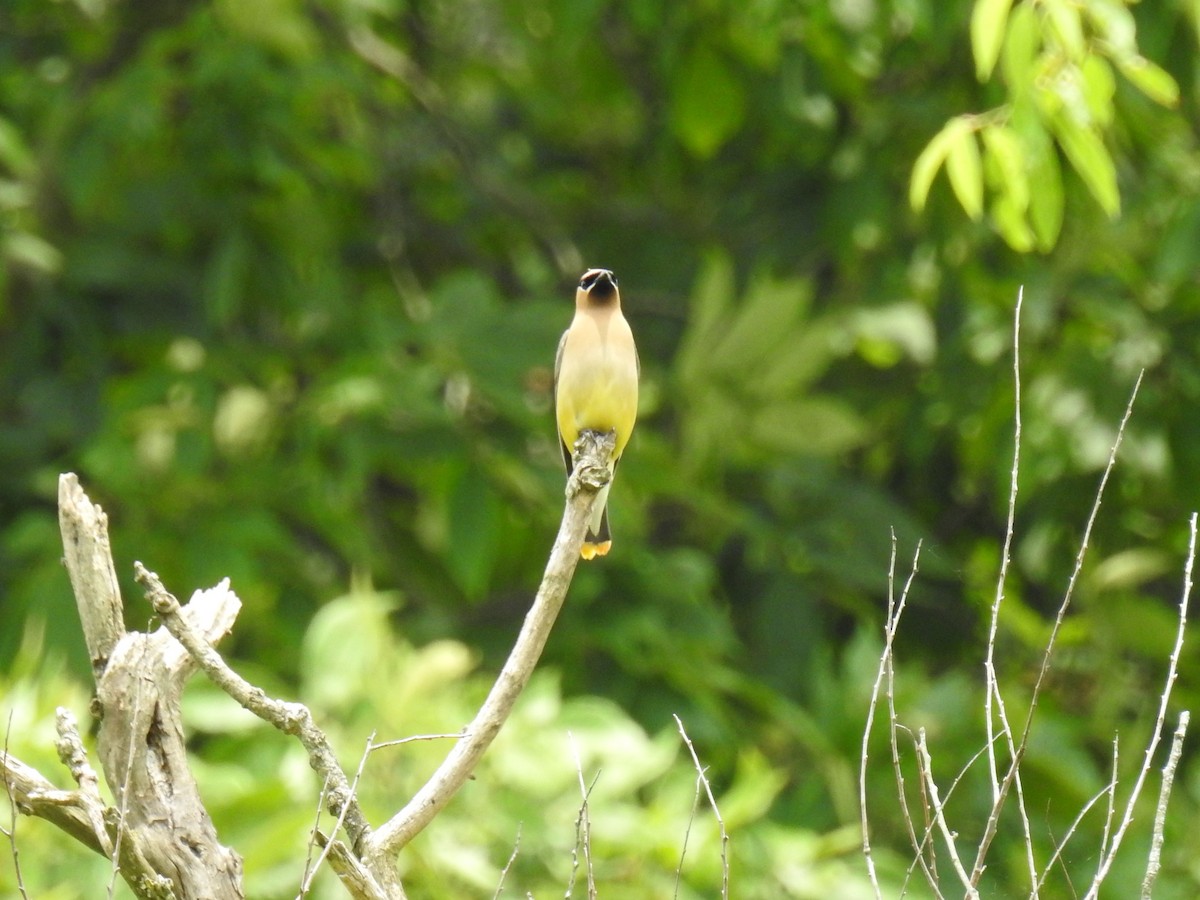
point(596, 375)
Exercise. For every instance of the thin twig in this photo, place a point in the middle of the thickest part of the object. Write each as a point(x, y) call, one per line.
point(1012, 775)
point(887, 659)
point(992, 681)
point(312, 839)
point(939, 812)
point(290, 718)
point(11, 831)
point(687, 836)
point(931, 825)
point(337, 825)
point(591, 473)
point(1059, 846)
point(512, 858)
point(583, 826)
point(712, 802)
point(1005, 557)
point(863, 755)
point(1160, 721)
point(413, 738)
point(1154, 861)
point(1112, 798)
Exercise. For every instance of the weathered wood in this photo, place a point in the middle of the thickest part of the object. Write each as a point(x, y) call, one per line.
point(160, 820)
point(88, 557)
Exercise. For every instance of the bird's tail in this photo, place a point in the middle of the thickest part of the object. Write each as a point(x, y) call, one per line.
point(598, 540)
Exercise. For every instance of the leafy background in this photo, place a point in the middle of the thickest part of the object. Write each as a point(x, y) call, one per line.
point(282, 282)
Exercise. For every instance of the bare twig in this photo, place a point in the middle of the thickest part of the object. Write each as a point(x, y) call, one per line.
point(939, 812)
point(583, 828)
point(591, 473)
point(712, 802)
point(687, 836)
point(1061, 845)
point(992, 682)
point(1110, 812)
point(11, 831)
point(1012, 775)
point(312, 840)
point(74, 757)
point(337, 825)
point(894, 612)
point(290, 718)
point(414, 738)
point(512, 858)
point(931, 825)
point(1160, 815)
point(1160, 721)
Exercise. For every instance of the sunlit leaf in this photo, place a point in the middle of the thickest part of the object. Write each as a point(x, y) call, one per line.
point(1021, 44)
point(1153, 81)
point(926, 167)
point(1066, 27)
point(1099, 86)
point(988, 20)
point(965, 170)
point(1046, 189)
point(1004, 150)
point(1091, 159)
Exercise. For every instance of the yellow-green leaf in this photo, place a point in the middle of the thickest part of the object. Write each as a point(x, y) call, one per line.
point(1004, 151)
point(1099, 86)
point(1021, 45)
point(988, 19)
point(1066, 27)
point(1091, 159)
point(931, 159)
point(1046, 189)
point(1012, 224)
point(1153, 81)
point(965, 169)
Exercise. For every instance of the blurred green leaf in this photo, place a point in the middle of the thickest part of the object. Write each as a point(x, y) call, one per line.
point(989, 19)
point(708, 102)
point(1091, 160)
point(1152, 80)
point(964, 168)
point(932, 157)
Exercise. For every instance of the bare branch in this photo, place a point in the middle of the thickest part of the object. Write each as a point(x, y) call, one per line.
point(712, 802)
point(592, 452)
point(939, 812)
point(1164, 698)
point(1160, 814)
point(512, 858)
point(337, 825)
point(88, 558)
point(33, 794)
point(583, 829)
point(885, 667)
point(290, 718)
point(11, 831)
point(1059, 846)
point(1012, 775)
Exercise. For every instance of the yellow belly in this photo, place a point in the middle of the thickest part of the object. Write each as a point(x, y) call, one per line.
point(597, 388)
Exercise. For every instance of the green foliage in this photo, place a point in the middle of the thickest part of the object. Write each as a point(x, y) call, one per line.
point(284, 287)
point(1058, 60)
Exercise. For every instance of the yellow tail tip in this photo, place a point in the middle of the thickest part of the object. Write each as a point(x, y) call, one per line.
point(591, 551)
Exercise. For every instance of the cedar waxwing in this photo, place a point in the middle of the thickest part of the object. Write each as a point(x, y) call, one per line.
point(596, 384)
